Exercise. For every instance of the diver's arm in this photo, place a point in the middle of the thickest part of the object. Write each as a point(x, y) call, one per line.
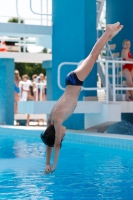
point(59, 133)
point(56, 149)
point(48, 156)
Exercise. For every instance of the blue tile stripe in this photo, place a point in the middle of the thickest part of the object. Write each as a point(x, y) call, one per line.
point(114, 142)
point(109, 140)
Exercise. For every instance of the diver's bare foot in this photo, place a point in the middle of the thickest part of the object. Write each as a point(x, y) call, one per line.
point(113, 29)
point(116, 32)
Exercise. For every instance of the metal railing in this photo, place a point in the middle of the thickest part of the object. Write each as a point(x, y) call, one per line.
point(83, 88)
point(38, 92)
point(41, 86)
point(35, 13)
point(45, 18)
point(106, 88)
point(99, 10)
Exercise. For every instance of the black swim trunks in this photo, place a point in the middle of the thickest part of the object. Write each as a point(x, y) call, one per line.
point(72, 79)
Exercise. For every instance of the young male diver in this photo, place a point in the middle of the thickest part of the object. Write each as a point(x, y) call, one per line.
point(65, 106)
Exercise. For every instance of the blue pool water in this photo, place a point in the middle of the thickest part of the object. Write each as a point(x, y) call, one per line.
point(84, 171)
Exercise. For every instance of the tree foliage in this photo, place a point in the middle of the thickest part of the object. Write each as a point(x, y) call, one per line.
point(29, 69)
point(45, 50)
point(15, 20)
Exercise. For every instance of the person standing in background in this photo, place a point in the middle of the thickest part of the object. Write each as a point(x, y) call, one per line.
point(24, 86)
point(127, 68)
point(30, 98)
point(34, 77)
point(17, 79)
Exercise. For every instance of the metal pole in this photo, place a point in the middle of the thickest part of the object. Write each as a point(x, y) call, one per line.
point(24, 45)
point(106, 81)
point(117, 78)
point(41, 12)
point(46, 12)
point(121, 82)
point(19, 37)
point(41, 85)
point(19, 44)
point(36, 92)
point(114, 98)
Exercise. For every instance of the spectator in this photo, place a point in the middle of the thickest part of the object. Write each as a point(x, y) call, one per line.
point(30, 98)
point(34, 77)
point(16, 90)
point(24, 85)
point(127, 68)
point(42, 80)
point(41, 88)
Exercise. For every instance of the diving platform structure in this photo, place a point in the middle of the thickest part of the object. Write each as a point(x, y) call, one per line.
point(27, 57)
point(95, 112)
point(42, 33)
point(25, 30)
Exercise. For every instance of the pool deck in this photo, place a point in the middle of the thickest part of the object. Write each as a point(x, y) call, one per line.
point(25, 127)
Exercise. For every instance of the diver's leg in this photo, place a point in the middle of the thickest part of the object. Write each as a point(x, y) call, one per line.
point(86, 66)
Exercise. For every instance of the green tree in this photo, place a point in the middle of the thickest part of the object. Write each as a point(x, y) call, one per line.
point(29, 69)
point(15, 20)
point(45, 50)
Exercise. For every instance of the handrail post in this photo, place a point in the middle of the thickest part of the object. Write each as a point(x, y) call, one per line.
point(41, 12)
point(19, 44)
point(114, 97)
point(41, 91)
point(47, 12)
point(121, 81)
point(36, 12)
point(24, 50)
point(117, 77)
point(106, 82)
point(36, 92)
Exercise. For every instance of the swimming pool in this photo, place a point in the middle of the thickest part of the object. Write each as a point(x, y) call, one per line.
point(90, 167)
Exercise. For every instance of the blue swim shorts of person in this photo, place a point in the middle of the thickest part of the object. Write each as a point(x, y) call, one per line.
point(72, 79)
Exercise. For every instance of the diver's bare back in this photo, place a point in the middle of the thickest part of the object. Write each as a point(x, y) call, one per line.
point(66, 105)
